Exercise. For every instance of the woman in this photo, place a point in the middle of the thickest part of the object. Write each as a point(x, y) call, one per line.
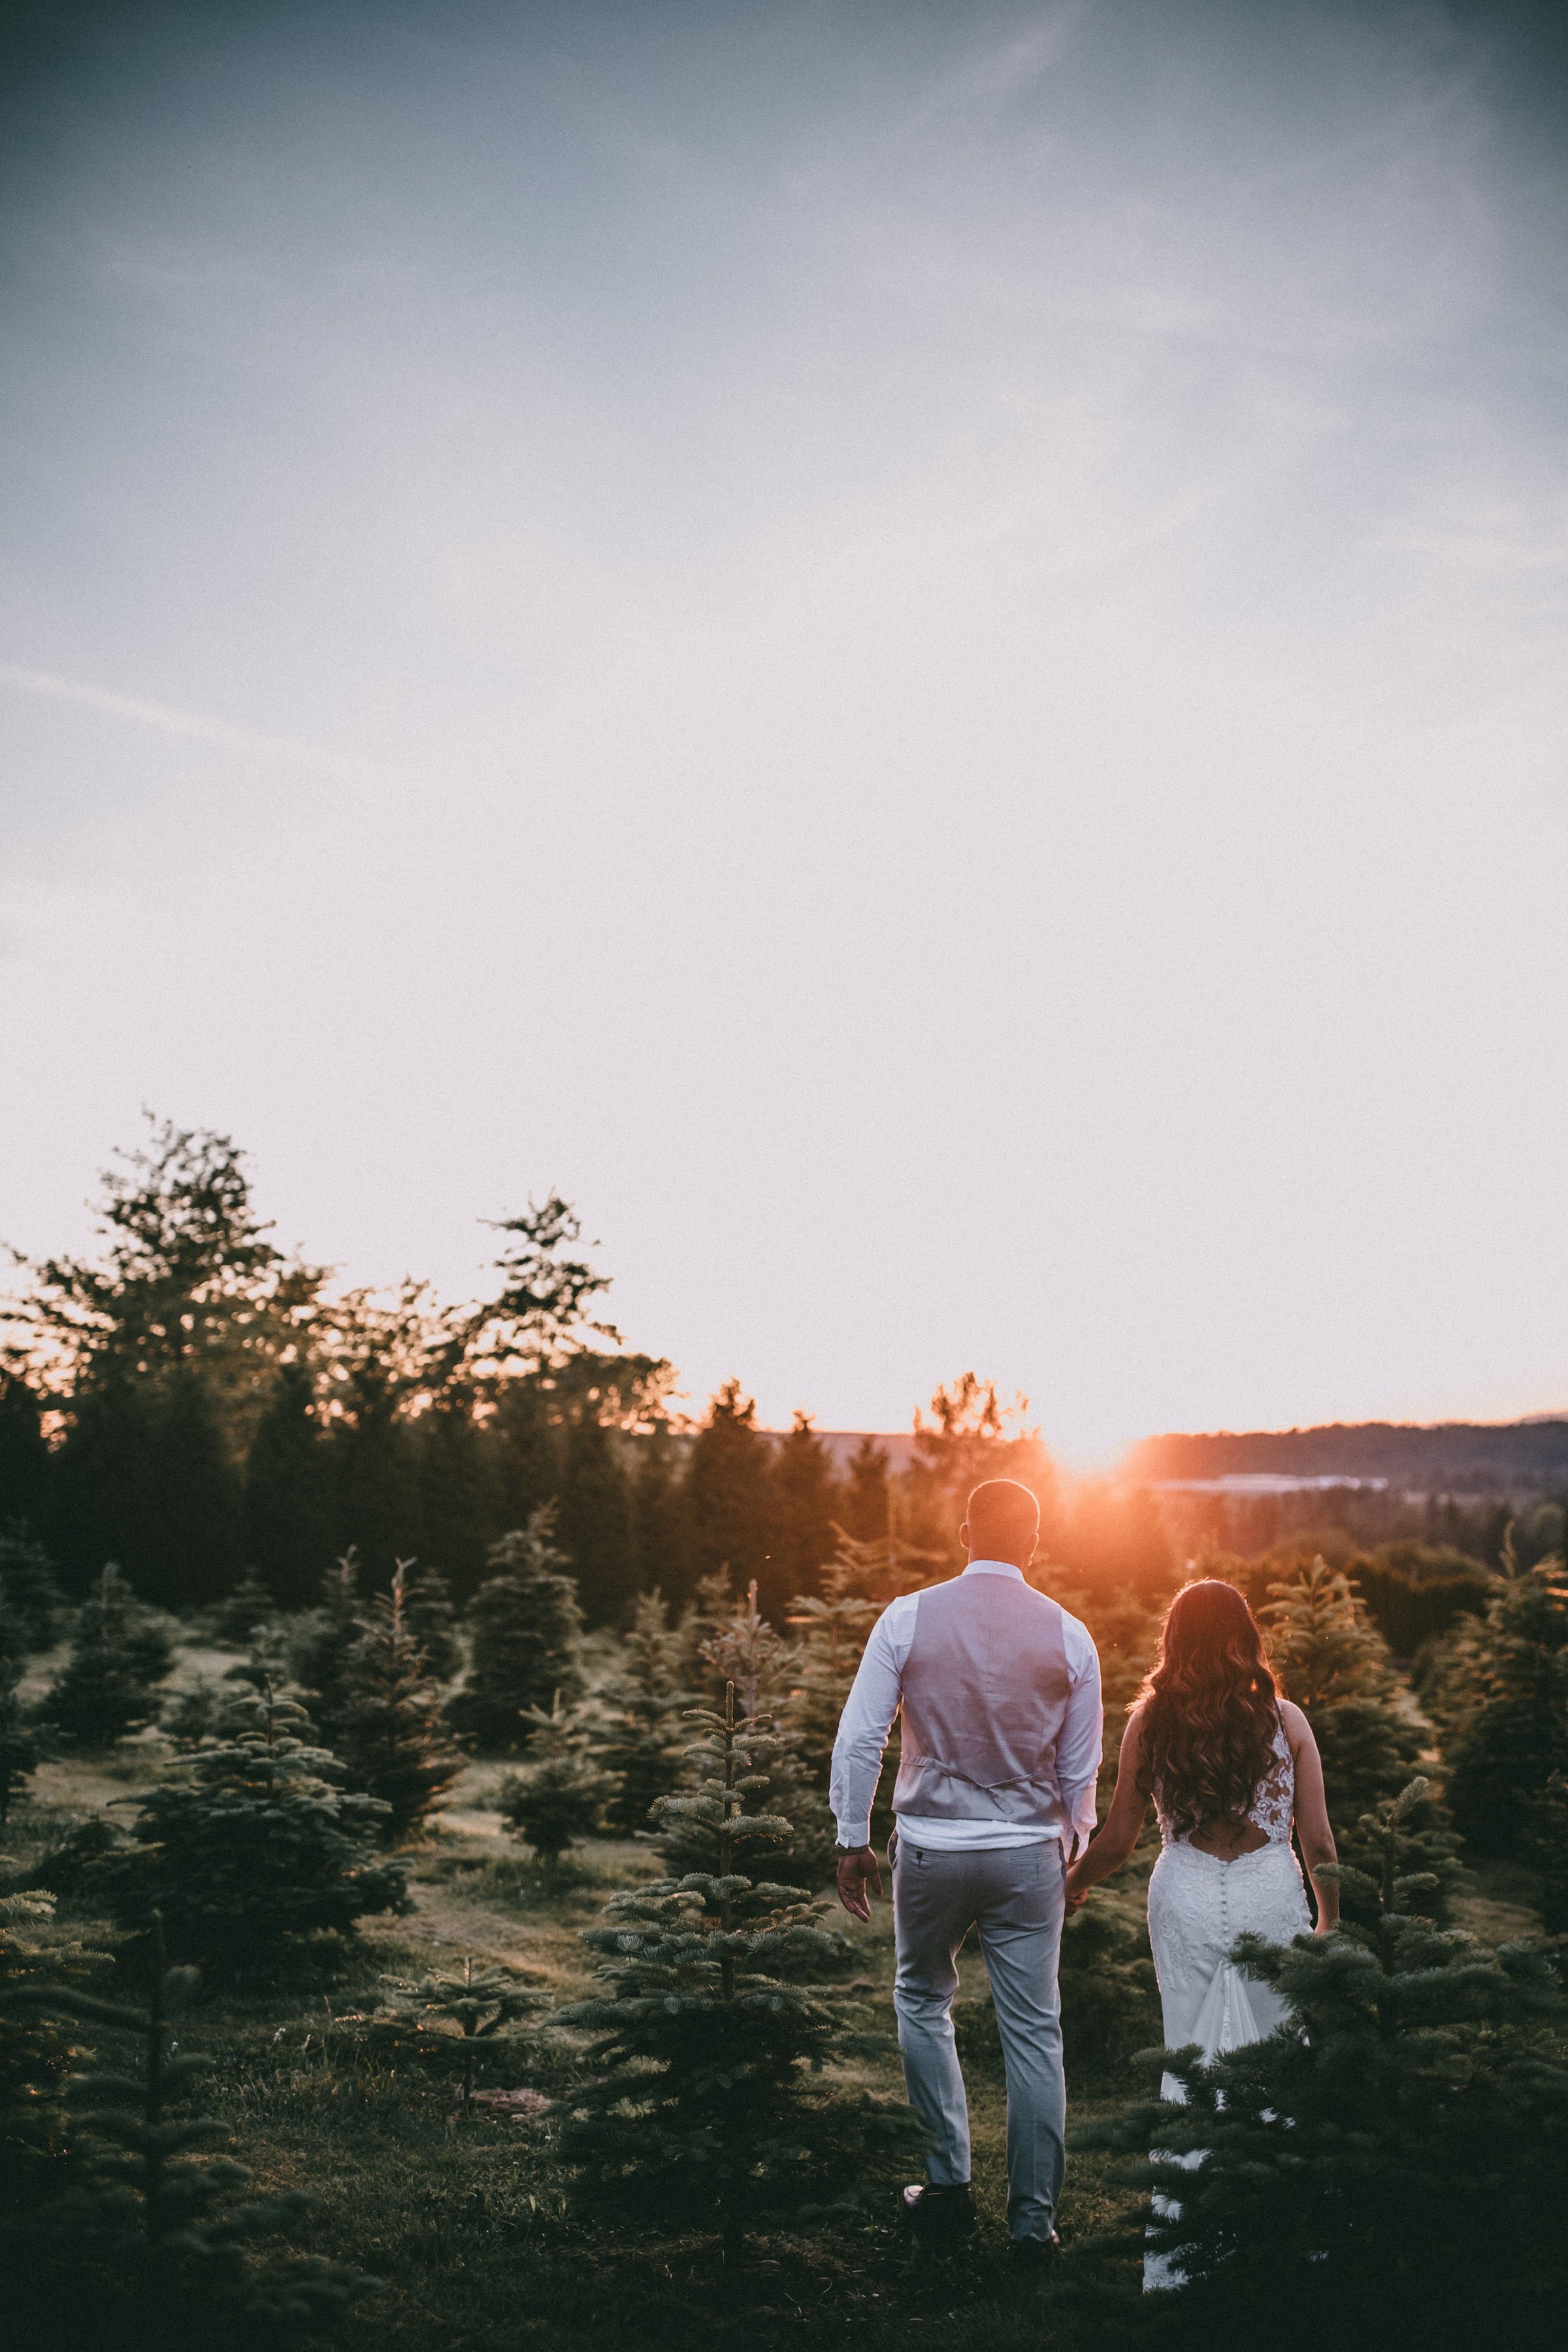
point(1229, 1764)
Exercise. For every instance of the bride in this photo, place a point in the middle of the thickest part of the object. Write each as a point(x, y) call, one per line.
point(1229, 1764)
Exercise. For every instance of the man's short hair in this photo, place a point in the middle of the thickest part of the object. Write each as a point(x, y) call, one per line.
point(1005, 1513)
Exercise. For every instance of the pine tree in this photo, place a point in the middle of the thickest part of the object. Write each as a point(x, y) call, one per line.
point(698, 2115)
point(806, 1496)
point(24, 1453)
point(746, 1650)
point(28, 1585)
point(638, 1709)
point(246, 1610)
point(661, 1534)
point(392, 1742)
point(288, 1523)
point(23, 1745)
point(37, 2053)
point(1335, 1664)
point(868, 1504)
point(525, 1626)
point(323, 1645)
point(120, 1652)
point(562, 1790)
point(1546, 1845)
point(833, 1623)
point(595, 1519)
point(1340, 2158)
point(730, 1489)
point(469, 2017)
point(191, 1538)
point(149, 2244)
point(1514, 1734)
point(255, 1846)
point(428, 1606)
point(375, 1470)
point(457, 1513)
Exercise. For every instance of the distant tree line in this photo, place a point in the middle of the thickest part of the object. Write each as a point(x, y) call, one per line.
point(193, 1404)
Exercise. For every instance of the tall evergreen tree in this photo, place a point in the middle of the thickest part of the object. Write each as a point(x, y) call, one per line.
point(103, 1505)
point(661, 1535)
point(376, 1472)
point(24, 1453)
point(806, 1496)
point(524, 1625)
point(641, 1734)
point(256, 1845)
point(457, 1490)
point(867, 1503)
point(730, 1490)
point(1335, 1664)
point(120, 1652)
point(322, 1648)
point(1513, 1734)
point(594, 1520)
point(1335, 2158)
point(190, 1547)
point(392, 1742)
point(289, 1523)
point(697, 2114)
point(428, 1607)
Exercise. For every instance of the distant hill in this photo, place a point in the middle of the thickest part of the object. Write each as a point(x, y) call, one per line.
point(1456, 1457)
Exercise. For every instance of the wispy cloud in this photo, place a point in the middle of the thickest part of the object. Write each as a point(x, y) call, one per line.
point(190, 725)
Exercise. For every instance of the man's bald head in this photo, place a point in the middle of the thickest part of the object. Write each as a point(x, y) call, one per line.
point(1002, 1522)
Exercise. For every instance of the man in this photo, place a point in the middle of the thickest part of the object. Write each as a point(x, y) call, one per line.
point(1000, 1694)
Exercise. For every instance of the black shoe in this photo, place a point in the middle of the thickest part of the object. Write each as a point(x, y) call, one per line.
point(1034, 2252)
point(939, 2212)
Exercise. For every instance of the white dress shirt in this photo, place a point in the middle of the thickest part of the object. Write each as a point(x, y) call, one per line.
point(873, 1701)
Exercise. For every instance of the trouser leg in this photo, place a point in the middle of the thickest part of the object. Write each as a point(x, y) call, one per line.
point(932, 1912)
point(1020, 1920)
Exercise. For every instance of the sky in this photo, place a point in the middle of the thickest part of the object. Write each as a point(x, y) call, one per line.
point(915, 650)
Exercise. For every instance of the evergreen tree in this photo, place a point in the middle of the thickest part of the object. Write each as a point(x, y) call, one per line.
point(190, 1537)
point(640, 1735)
point(1514, 1734)
point(1335, 1664)
point(393, 1743)
point(594, 1520)
point(24, 1453)
point(288, 1521)
point(456, 1499)
point(120, 1655)
point(104, 1500)
point(468, 2019)
point(30, 1592)
point(661, 1535)
point(428, 1607)
point(562, 1790)
point(833, 1624)
point(970, 1437)
point(375, 1470)
point(23, 1745)
point(322, 1648)
point(1337, 2157)
point(1545, 1844)
point(37, 2053)
point(255, 1847)
point(525, 1627)
point(806, 1496)
point(867, 1502)
point(698, 2115)
point(248, 1610)
point(730, 1489)
point(149, 2244)
point(747, 1652)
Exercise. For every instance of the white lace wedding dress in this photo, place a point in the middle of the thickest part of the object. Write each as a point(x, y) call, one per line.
point(1198, 1905)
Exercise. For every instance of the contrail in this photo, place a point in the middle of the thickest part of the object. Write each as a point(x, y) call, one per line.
point(187, 723)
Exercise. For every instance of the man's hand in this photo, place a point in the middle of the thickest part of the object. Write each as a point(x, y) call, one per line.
point(855, 1871)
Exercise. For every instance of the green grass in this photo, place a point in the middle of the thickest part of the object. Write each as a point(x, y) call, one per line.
point(460, 2217)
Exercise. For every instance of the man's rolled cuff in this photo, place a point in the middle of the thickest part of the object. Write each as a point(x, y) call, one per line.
point(855, 1834)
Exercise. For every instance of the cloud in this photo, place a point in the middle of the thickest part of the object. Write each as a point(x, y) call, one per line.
point(188, 724)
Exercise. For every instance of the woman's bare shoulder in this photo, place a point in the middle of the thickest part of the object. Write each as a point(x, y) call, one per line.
point(1296, 1728)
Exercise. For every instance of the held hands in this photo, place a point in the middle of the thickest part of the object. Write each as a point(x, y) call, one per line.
point(855, 1872)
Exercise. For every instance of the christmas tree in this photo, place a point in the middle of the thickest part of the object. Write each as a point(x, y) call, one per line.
point(1335, 1664)
point(702, 2114)
point(120, 1654)
point(149, 2243)
point(427, 1608)
point(393, 1742)
point(1393, 2172)
point(1545, 1844)
point(322, 1649)
point(31, 1594)
point(562, 1790)
point(256, 1846)
point(36, 2051)
point(24, 1744)
point(1514, 1733)
point(526, 1627)
point(745, 1650)
point(469, 2017)
point(246, 1610)
point(640, 1733)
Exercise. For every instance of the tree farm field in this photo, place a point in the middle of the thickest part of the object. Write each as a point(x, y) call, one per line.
point(457, 2217)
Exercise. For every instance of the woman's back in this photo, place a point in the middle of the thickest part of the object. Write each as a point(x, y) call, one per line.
point(1265, 1821)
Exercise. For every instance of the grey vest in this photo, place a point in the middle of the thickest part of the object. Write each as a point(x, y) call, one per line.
point(984, 1691)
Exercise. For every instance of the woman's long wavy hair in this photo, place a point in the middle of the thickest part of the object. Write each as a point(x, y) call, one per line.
point(1210, 1709)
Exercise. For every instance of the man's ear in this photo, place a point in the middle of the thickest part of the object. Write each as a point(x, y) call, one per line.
point(964, 1535)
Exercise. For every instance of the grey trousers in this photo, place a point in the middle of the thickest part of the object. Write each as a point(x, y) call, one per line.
point(1014, 1895)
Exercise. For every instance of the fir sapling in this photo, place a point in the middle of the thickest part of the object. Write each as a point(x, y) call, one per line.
point(562, 1790)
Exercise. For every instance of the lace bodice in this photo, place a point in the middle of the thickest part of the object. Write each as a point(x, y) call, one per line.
point(1273, 1803)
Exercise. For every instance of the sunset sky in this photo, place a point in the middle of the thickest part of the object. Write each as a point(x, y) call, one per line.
point(916, 650)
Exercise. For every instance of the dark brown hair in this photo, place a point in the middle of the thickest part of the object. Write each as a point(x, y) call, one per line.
point(1002, 1511)
point(1211, 1707)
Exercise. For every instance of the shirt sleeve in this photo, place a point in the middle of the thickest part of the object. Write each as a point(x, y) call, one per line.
point(1078, 1744)
point(868, 1718)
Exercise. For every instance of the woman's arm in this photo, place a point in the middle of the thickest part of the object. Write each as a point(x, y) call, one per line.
point(1116, 1841)
point(1312, 1831)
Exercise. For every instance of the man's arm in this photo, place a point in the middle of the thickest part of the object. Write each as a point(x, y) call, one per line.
point(863, 1730)
point(1079, 1745)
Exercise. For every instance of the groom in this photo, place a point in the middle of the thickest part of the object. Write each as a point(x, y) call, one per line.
point(1000, 1694)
